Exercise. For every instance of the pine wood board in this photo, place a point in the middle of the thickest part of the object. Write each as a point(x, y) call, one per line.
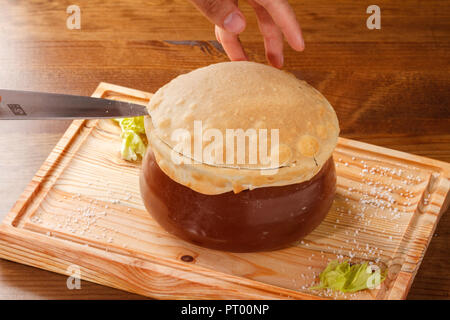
point(83, 207)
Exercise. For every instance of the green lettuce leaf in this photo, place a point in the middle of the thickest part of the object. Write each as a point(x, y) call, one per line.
point(349, 278)
point(133, 138)
point(135, 124)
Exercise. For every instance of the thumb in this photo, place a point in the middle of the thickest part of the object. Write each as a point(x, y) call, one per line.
point(223, 13)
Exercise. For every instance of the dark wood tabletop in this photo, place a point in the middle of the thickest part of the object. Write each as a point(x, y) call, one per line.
point(390, 87)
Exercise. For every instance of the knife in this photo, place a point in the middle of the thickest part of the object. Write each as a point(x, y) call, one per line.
point(28, 105)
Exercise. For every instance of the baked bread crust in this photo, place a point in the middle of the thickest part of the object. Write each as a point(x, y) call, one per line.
point(241, 95)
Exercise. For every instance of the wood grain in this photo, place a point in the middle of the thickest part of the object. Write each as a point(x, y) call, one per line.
point(323, 21)
point(83, 207)
point(389, 87)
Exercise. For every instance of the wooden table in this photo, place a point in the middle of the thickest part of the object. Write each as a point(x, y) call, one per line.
point(390, 87)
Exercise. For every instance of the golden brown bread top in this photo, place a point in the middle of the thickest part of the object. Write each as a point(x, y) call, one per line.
point(241, 95)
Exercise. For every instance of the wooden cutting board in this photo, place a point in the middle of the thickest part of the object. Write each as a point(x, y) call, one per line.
point(83, 210)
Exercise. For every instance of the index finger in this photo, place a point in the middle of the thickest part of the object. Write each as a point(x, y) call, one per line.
point(284, 17)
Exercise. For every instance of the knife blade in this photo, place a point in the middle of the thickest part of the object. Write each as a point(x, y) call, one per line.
point(29, 105)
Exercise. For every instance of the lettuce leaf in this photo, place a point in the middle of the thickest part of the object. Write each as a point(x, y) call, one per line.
point(135, 124)
point(133, 139)
point(349, 278)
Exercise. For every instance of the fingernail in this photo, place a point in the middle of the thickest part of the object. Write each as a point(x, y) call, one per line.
point(276, 60)
point(302, 43)
point(280, 61)
point(234, 23)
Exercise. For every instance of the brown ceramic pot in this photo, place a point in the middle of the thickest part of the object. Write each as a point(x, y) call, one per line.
point(253, 220)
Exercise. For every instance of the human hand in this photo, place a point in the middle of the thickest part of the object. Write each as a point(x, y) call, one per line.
point(275, 19)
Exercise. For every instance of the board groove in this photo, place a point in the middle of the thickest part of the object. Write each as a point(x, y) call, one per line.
point(57, 222)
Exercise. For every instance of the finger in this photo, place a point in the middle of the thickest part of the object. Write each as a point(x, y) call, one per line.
point(273, 38)
point(232, 46)
point(284, 17)
point(216, 31)
point(223, 13)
